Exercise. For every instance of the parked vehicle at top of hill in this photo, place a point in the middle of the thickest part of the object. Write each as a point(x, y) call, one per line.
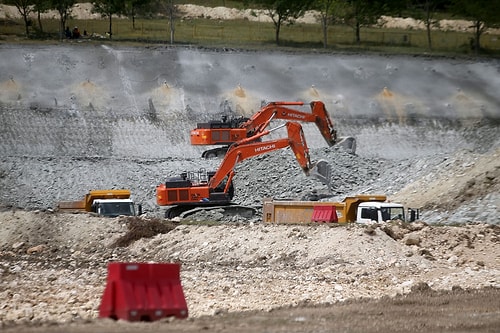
point(227, 131)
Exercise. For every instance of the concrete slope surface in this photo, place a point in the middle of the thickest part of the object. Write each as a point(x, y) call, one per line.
point(77, 117)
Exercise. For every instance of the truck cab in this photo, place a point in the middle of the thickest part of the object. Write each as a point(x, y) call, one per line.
point(114, 207)
point(372, 212)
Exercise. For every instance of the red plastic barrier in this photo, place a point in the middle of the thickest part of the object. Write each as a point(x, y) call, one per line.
point(324, 214)
point(143, 292)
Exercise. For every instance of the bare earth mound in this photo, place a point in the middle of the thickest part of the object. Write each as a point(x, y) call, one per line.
point(52, 272)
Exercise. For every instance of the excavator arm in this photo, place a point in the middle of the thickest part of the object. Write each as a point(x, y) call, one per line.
point(281, 110)
point(227, 132)
point(250, 147)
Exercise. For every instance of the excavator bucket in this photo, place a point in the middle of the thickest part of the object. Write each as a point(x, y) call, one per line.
point(322, 171)
point(348, 143)
point(143, 292)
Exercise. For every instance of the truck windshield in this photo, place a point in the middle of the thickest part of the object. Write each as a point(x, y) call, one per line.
point(392, 213)
point(114, 209)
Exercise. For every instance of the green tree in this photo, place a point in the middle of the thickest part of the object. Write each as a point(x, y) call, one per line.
point(108, 8)
point(169, 9)
point(283, 11)
point(483, 13)
point(425, 10)
point(172, 14)
point(64, 8)
point(359, 13)
point(40, 6)
point(25, 8)
point(328, 10)
point(135, 7)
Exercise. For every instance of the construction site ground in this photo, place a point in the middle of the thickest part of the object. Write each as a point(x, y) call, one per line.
point(254, 278)
point(92, 114)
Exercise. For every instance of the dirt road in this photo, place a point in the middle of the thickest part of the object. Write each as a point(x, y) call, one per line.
point(421, 311)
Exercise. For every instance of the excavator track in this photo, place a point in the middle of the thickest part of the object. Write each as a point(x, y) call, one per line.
point(226, 210)
point(218, 152)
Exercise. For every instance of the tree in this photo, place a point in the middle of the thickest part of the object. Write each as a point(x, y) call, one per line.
point(364, 12)
point(64, 8)
point(172, 13)
point(41, 6)
point(108, 8)
point(483, 13)
point(425, 10)
point(133, 7)
point(328, 9)
point(325, 10)
point(169, 8)
point(283, 11)
point(25, 8)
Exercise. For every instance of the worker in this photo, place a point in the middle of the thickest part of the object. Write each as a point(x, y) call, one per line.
point(76, 33)
point(67, 32)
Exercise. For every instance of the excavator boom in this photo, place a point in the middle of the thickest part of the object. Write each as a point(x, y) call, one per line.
point(249, 147)
point(281, 110)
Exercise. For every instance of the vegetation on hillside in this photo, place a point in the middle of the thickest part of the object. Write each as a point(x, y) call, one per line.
point(154, 20)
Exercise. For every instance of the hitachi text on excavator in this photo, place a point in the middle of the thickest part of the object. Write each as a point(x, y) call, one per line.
point(202, 189)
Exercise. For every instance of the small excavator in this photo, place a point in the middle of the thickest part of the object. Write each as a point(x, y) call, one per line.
point(228, 131)
point(201, 189)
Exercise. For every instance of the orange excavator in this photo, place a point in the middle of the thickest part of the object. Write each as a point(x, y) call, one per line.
point(226, 132)
point(197, 189)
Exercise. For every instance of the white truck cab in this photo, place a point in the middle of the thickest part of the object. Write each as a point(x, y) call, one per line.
point(114, 207)
point(373, 212)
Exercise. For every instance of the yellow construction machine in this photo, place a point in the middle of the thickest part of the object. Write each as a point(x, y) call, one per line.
point(110, 203)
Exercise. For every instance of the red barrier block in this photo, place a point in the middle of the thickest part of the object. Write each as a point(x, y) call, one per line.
point(143, 292)
point(324, 214)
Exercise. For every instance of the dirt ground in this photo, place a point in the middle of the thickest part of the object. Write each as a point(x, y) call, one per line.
point(420, 311)
point(254, 278)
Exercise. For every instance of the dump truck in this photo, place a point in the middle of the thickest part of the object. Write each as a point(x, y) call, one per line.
point(109, 203)
point(362, 208)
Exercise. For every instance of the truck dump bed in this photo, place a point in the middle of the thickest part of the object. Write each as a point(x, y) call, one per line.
point(86, 203)
point(71, 205)
point(289, 211)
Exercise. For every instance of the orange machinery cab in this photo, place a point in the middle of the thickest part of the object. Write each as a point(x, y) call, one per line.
point(218, 132)
point(191, 189)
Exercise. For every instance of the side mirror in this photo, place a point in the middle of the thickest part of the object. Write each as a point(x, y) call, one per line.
point(139, 210)
point(413, 214)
